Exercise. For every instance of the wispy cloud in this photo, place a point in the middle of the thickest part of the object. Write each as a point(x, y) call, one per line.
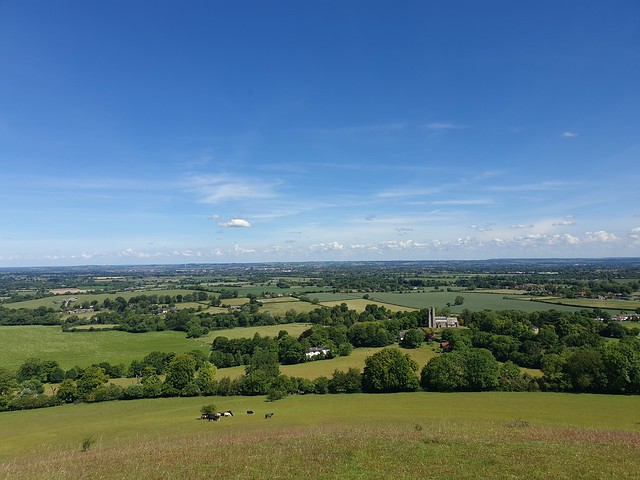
point(222, 188)
point(463, 202)
point(186, 253)
point(568, 220)
point(443, 126)
point(535, 187)
point(521, 225)
point(407, 192)
point(569, 134)
point(482, 228)
point(383, 128)
point(130, 252)
point(402, 231)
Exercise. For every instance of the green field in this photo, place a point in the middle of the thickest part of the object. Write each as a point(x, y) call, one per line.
point(394, 436)
point(50, 302)
point(619, 305)
point(84, 348)
point(472, 300)
point(334, 297)
point(294, 329)
point(359, 304)
point(279, 308)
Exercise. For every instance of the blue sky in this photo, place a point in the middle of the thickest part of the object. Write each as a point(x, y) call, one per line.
point(136, 132)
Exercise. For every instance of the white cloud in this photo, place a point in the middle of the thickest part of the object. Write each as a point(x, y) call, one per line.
point(325, 247)
point(562, 239)
point(236, 223)
point(186, 253)
point(635, 235)
point(130, 252)
point(600, 236)
point(571, 239)
point(567, 220)
point(482, 228)
point(401, 245)
point(238, 250)
point(569, 134)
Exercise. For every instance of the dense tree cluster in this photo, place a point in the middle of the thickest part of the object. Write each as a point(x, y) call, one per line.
point(29, 316)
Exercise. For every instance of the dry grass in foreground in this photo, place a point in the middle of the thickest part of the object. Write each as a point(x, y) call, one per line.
point(464, 450)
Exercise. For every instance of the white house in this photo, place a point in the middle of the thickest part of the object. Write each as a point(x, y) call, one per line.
point(315, 351)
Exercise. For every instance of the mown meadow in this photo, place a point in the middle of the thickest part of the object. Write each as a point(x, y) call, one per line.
point(17, 343)
point(406, 436)
point(440, 299)
point(83, 348)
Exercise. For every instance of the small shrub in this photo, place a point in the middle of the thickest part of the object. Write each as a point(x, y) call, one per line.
point(87, 443)
point(518, 423)
point(208, 409)
point(276, 394)
point(418, 427)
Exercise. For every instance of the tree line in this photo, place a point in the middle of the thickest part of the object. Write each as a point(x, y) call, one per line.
point(575, 351)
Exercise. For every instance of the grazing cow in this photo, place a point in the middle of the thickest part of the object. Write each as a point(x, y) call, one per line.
point(268, 415)
point(213, 416)
point(249, 412)
point(228, 413)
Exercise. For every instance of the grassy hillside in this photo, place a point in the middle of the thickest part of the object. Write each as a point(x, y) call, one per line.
point(405, 436)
